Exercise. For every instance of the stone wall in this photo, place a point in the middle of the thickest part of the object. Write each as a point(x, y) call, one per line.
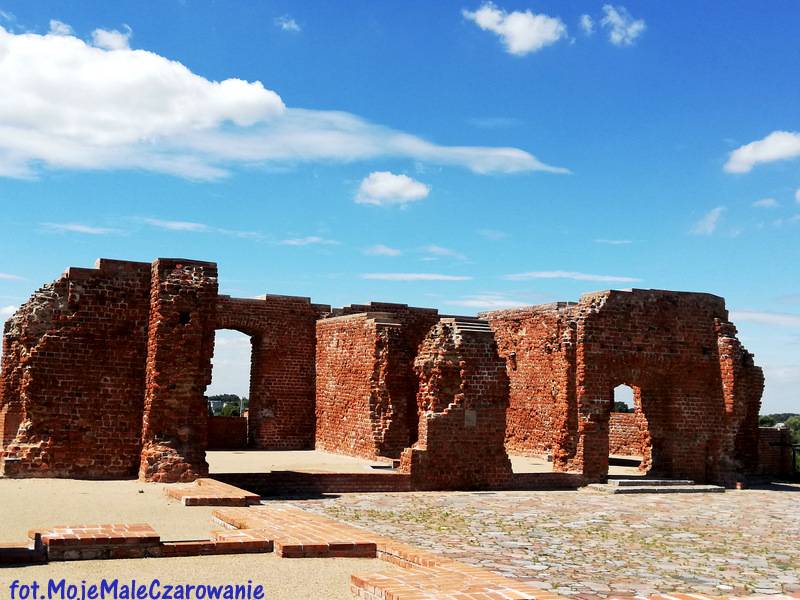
point(462, 402)
point(283, 337)
point(72, 380)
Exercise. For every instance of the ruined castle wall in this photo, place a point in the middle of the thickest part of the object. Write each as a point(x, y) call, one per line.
point(666, 344)
point(180, 344)
point(72, 382)
point(462, 402)
point(283, 337)
point(537, 345)
point(774, 452)
point(361, 400)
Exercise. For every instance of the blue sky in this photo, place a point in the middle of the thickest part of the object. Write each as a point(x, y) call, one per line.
point(459, 155)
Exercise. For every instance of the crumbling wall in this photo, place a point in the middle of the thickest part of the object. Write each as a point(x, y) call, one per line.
point(698, 388)
point(180, 344)
point(227, 433)
point(282, 396)
point(539, 348)
point(361, 393)
point(462, 402)
point(72, 381)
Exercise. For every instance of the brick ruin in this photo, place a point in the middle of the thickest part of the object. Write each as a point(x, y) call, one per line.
point(104, 373)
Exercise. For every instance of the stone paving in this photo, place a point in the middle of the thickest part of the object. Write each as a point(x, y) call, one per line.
point(595, 546)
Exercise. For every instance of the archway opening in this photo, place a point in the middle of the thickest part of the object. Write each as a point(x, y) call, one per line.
point(627, 432)
point(229, 391)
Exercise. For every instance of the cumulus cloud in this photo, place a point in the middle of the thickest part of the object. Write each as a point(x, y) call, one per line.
point(707, 224)
point(382, 188)
point(778, 145)
point(414, 277)
point(766, 203)
point(623, 29)
point(311, 240)
point(78, 228)
point(570, 275)
point(521, 32)
point(67, 104)
point(382, 250)
point(60, 28)
point(287, 23)
point(766, 318)
point(7, 311)
point(112, 39)
point(586, 23)
point(9, 277)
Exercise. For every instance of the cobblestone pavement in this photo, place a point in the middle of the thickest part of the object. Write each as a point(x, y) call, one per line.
point(596, 545)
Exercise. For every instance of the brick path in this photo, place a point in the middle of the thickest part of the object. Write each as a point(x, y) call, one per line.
point(577, 543)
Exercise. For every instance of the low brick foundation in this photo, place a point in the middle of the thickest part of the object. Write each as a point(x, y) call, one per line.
point(227, 433)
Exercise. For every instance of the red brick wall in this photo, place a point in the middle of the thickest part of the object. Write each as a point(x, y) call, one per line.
point(227, 433)
point(73, 375)
point(360, 404)
point(774, 451)
point(538, 345)
point(462, 401)
point(626, 434)
point(282, 329)
point(180, 345)
point(700, 392)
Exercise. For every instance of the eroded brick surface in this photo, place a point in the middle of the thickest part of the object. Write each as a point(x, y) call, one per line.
point(698, 387)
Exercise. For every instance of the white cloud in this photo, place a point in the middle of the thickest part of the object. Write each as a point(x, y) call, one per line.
point(442, 252)
point(381, 250)
point(7, 311)
point(766, 203)
point(521, 32)
point(7, 16)
point(10, 277)
point(569, 275)
point(708, 222)
point(311, 240)
point(79, 228)
point(69, 105)
point(622, 28)
point(286, 23)
point(797, 195)
point(487, 301)
point(177, 225)
point(383, 188)
point(111, 39)
point(60, 28)
point(613, 242)
point(766, 318)
point(586, 24)
point(778, 145)
point(192, 227)
point(414, 277)
point(493, 234)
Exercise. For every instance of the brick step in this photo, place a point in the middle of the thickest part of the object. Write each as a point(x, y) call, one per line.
point(649, 482)
point(644, 489)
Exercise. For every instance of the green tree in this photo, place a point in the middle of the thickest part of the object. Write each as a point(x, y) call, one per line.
point(793, 423)
point(231, 409)
point(766, 421)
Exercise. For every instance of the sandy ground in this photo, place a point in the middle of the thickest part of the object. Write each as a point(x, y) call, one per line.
point(32, 503)
point(37, 503)
point(282, 578)
point(316, 461)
